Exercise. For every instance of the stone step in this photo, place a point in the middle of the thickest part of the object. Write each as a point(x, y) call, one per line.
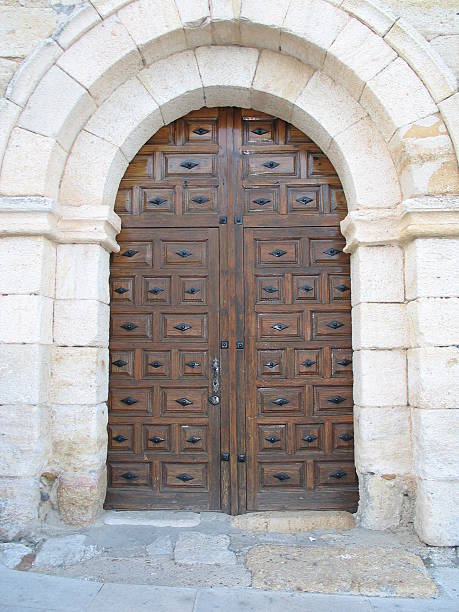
point(298, 521)
point(153, 518)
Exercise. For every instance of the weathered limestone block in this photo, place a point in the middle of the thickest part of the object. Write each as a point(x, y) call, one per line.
point(28, 266)
point(80, 496)
point(434, 321)
point(425, 157)
point(19, 499)
point(81, 323)
point(279, 80)
point(7, 69)
point(82, 19)
point(21, 28)
point(303, 34)
point(224, 16)
point(378, 17)
point(24, 371)
point(382, 500)
point(424, 60)
point(102, 58)
point(79, 375)
point(447, 47)
point(31, 70)
point(396, 97)
point(364, 166)
point(383, 439)
point(36, 173)
point(128, 118)
point(324, 109)
point(26, 319)
point(436, 443)
point(227, 74)
point(59, 108)
point(107, 7)
point(9, 113)
point(380, 378)
point(433, 377)
point(24, 440)
point(431, 268)
point(79, 437)
point(377, 274)
point(262, 29)
point(195, 18)
point(82, 272)
point(379, 326)
point(449, 109)
point(64, 551)
point(155, 27)
point(356, 56)
point(437, 511)
point(294, 521)
point(175, 97)
point(93, 172)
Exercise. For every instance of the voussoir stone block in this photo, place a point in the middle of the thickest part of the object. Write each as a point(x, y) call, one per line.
point(356, 56)
point(21, 30)
point(102, 58)
point(28, 266)
point(377, 17)
point(82, 272)
point(79, 375)
point(377, 274)
point(128, 118)
point(278, 81)
point(395, 97)
point(59, 107)
point(324, 109)
point(379, 326)
point(431, 268)
point(437, 509)
point(384, 439)
point(227, 74)
point(24, 371)
point(24, 441)
point(81, 323)
point(449, 109)
point(155, 27)
point(175, 97)
point(380, 378)
point(38, 172)
point(26, 319)
point(79, 437)
point(433, 377)
point(19, 499)
point(225, 21)
point(436, 440)
point(261, 28)
point(303, 33)
point(82, 19)
point(195, 18)
point(360, 157)
point(9, 113)
point(93, 172)
point(434, 321)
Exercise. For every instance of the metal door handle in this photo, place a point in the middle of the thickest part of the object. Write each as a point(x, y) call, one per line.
point(214, 399)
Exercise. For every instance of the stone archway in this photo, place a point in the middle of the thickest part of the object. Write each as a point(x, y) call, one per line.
point(377, 112)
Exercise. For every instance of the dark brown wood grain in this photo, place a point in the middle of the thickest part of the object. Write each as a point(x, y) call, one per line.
point(234, 219)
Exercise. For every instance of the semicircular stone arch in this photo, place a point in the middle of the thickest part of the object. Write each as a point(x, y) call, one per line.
point(364, 86)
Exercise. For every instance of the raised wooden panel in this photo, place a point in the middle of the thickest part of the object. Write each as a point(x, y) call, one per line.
point(332, 399)
point(184, 253)
point(184, 327)
point(282, 475)
point(281, 401)
point(157, 200)
point(305, 199)
point(156, 290)
point(156, 364)
point(193, 439)
point(272, 438)
point(130, 326)
point(129, 401)
point(122, 290)
point(308, 362)
point(261, 200)
point(341, 362)
point(121, 437)
point(272, 363)
point(270, 289)
point(306, 288)
point(157, 438)
point(331, 324)
point(193, 363)
point(184, 475)
point(133, 254)
point(262, 164)
point(129, 474)
point(310, 437)
point(193, 290)
point(187, 401)
point(279, 252)
point(122, 364)
point(194, 164)
point(335, 473)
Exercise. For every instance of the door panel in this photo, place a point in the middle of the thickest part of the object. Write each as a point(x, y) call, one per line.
point(230, 249)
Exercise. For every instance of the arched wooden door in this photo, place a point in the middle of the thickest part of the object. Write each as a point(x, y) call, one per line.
point(230, 345)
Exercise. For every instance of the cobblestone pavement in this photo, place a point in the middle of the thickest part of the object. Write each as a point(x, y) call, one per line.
point(209, 561)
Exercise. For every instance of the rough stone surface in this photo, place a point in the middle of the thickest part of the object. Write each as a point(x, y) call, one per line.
point(338, 569)
point(80, 496)
point(161, 546)
point(11, 554)
point(293, 522)
point(383, 499)
point(194, 548)
point(67, 550)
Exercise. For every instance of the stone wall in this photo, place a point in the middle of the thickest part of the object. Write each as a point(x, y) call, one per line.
point(364, 85)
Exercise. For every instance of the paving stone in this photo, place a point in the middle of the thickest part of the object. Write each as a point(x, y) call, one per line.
point(448, 580)
point(11, 554)
point(154, 518)
point(161, 546)
point(122, 597)
point(67, 550)
point(294, 522)
point(196, 548)
point(366, 571)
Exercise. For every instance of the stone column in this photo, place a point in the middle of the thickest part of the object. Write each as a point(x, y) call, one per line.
point(79, 380)
point(432, 287)
point(27, 278)
point(382, 418)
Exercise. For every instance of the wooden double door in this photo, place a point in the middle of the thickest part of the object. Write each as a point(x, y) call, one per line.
point(230, 339)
